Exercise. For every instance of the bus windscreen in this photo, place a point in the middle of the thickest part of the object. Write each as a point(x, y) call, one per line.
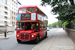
point(22, 10)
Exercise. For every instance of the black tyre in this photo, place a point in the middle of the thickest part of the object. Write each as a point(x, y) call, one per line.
point(45, 34)
point(36, 40)
point(19, 41)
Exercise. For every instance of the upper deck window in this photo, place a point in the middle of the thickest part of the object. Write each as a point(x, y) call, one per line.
point(22, 10)
point(30, 10)
point(25, 16)
point(37, 10)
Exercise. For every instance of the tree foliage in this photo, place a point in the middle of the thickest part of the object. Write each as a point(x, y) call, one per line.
point(60, 23)
point(65, 23)
point(50, 25)
point(55, 24)
point(65, 9)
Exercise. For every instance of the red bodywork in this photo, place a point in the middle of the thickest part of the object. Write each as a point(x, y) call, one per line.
point(26, 35)
point(30, 33)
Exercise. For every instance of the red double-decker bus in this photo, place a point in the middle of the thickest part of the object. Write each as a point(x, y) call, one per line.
point(31, 24)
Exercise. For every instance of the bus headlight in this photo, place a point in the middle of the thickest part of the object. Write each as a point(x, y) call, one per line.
point(32, 36)
point(17, 35)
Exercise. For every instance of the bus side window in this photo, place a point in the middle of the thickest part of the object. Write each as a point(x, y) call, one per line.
point(44, 26)
point(40, 26)
point(37, 10)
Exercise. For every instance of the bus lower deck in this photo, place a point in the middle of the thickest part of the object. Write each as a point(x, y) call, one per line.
point(28, 31)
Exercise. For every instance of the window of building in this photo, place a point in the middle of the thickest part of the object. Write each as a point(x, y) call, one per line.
point(5, 13)
point(12, 22)
point(12, 12)
point(16, 6)
point(2, 6)
point(12, 7)
point(16, 13)
point(15, 18)
point(2, 22)
point(5, 7)
point(12, 17)
point(2, 16)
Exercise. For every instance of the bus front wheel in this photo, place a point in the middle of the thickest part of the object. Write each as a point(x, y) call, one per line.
point(36, 40)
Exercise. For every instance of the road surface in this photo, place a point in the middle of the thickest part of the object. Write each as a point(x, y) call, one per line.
point(10, 42)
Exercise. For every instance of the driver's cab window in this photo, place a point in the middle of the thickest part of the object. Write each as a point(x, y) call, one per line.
point(27, 26)
point(20, 26)
point(35, 26)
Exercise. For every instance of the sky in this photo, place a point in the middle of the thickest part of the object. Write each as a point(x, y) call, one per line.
point(46, 10)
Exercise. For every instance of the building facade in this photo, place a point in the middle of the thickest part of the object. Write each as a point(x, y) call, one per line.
point(13, 12)
point(4, 12)
point(8, 12)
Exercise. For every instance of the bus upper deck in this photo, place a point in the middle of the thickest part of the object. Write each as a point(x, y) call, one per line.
point(31, 13)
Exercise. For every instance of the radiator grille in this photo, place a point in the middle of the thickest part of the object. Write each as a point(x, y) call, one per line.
point(24, 36)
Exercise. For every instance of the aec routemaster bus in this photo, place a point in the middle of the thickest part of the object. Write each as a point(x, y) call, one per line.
point(31, 24)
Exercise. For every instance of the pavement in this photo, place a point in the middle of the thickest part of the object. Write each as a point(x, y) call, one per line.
point(9, 35)
point(2, 34)
point(56, 41)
